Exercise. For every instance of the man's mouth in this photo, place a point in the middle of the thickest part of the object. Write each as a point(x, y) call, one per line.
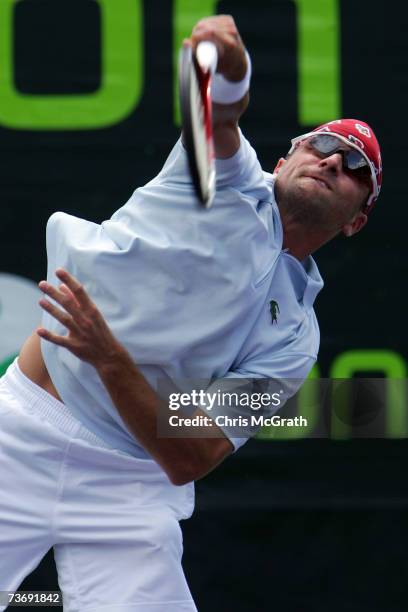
point(323, 184)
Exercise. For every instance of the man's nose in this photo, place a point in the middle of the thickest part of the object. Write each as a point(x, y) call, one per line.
point(333, 162)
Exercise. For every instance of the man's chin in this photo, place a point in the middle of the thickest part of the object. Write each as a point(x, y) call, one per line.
point(306, 190)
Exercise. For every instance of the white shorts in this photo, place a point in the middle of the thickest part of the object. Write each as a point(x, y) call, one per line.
point(111, 518)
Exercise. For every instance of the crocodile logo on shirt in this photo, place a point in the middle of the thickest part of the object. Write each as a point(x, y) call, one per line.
point(274, 310)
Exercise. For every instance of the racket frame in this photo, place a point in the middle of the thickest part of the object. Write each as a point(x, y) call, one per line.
point(195, 78)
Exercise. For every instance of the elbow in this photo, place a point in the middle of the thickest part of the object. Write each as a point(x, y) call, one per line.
point(180, 481)
point(193, 466)
point(182, 476)
point(186, 471)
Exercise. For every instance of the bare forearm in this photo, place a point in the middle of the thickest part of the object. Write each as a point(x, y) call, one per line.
point(225, 127)
point(138, 404)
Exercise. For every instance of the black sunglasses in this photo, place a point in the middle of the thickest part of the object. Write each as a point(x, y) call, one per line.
point(353, 160)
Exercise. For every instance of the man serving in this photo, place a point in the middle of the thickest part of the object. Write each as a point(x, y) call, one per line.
point(159, 292)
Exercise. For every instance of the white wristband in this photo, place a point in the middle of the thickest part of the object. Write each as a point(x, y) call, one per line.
point(228, 92)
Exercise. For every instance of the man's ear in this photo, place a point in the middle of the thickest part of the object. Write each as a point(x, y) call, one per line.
point(279, 165)
point(355, 225)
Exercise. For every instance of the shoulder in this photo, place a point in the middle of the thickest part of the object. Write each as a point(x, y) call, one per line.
point(241, 171)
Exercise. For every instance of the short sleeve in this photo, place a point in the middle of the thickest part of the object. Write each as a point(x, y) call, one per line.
point(239, 398)
point(241, 172)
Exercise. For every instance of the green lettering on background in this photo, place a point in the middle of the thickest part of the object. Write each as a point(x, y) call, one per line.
point(395, 370)
point(5, 364)
point(186, 15)
point(308, 407)
point(318, 32)
point(121, 83)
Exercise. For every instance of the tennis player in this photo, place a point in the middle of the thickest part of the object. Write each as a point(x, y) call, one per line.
point(165, 292)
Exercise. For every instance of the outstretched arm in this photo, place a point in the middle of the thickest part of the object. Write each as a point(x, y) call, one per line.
point(232, 64)
point(89, 338)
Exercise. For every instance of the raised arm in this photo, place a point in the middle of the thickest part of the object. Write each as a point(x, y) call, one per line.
point(232, 65)
point(90, 339)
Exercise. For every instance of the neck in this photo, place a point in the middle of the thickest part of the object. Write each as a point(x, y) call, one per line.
point(295, 241)
point(302, 233)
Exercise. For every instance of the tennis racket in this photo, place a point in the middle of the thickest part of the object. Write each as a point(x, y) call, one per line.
point(195, 75)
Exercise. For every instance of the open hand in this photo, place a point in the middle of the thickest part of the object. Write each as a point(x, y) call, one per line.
point(89, 337)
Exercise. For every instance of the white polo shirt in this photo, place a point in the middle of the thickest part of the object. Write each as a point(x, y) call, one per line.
point(188, 292)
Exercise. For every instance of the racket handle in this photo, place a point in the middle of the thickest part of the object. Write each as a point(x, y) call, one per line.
point(207, 56)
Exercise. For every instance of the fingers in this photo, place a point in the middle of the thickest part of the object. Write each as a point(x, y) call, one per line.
point(222, 31)
point(54, 338)
point(73, 299)
point(70, 295)
point(79, 310)
point(217, 25)
point(60, 295)
point(60, 315)
point(75, 286)
point(89, 337)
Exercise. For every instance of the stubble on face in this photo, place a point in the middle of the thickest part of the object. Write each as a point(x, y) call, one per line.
point(303, 200)
point(300, 204)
